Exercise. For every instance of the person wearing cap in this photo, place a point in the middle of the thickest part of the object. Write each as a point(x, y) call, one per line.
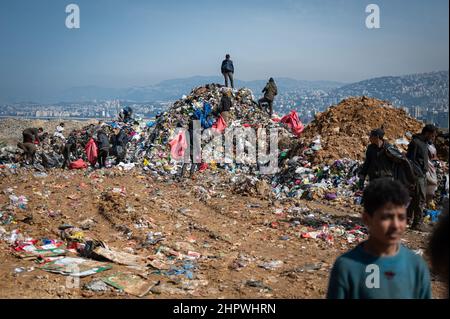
point(376, 164)
point(417, 154)
point(270, 91)
point(228, 70)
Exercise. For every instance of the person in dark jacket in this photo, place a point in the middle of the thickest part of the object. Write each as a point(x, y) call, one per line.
point(119, 142)
point(224, 107)
point(270, 91)
point(103, 147)
point(70, 147)
point(228, 70)
point(126, 114)
point(29, 150)
point(32, 134)
point(418, 155)
point(377, 164)
point(192, 156)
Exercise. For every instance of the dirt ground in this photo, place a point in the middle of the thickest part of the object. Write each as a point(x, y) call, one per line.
point(234, 235)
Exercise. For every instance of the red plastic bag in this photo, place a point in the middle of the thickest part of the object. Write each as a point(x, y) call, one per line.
point(220, 125)
point(91, 151)
point(203, 167)
point(294, 123)
point(78, 164)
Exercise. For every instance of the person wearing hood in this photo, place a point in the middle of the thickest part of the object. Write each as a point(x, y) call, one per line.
point(418, 155)
point(270, 91)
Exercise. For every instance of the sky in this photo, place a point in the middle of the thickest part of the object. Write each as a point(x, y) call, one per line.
point(124, 43)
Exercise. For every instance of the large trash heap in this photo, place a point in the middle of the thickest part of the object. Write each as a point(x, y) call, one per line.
point(321, 164)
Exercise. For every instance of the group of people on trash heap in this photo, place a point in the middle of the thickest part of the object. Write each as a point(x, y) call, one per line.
point(108, 140)
point(399, 185)
point(416, 169)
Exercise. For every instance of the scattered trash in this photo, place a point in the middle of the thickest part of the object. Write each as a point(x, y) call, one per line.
point(130, 283)
point(272, 265)
point(257, 284)
point(96, 286)
point(75, 267)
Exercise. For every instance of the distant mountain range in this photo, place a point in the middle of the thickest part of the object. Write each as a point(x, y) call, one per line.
point(424, 89)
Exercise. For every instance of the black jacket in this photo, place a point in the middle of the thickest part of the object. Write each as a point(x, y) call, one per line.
point(270, 91)
point(225, 104)
point(34, 132)
point(227, 66)
point(103, 141)
point(377, 164)
point(120, 139)
point(418, 154)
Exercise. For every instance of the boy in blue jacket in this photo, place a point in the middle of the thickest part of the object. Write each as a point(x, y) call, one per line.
point(380, 267)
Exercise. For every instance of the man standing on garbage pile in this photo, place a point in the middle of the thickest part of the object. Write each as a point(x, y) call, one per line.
point(29, 150)
point(32, 135)
point(71, 147)
point(103, 146)
point(376, 164)
point(381, 267)
point(228, 70)
point(270, 91)
point(225, 106)
point(119, 142)
point(418, 155)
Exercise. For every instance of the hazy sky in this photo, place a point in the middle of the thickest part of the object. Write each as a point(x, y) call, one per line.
point(141, 42)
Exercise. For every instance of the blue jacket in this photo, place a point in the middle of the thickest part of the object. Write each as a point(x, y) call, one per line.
point(227, 66)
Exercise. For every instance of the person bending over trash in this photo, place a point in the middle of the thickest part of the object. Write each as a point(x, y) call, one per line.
point(126, 115)
point(270, 91)
point(32, 135)
point(71, 147)
point(29, 150)
point(381, 267)
point(228, 70)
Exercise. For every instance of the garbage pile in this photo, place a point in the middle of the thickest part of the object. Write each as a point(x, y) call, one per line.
point(343, 129)
point(307, 224)
point(299, 178)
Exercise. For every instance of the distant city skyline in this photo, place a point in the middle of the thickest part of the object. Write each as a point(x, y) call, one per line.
point(137, 43)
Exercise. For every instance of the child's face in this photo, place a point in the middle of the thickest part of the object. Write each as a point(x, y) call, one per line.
point(387, 224)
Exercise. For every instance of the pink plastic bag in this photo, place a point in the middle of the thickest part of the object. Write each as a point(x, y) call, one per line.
point(178, 146)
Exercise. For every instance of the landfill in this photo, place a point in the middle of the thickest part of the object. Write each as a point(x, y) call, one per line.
point(134, 229)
